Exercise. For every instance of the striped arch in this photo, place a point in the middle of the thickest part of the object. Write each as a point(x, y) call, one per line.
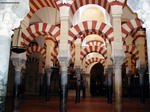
point(95, 43)
point(38, 29)
point(132, 50)
point(79, 3)
point(32, 60)
point(128, 27)
point(90, 27)
point(54, 55)
point(139, 34)
point(36, 49)
point(125, 62)
point(94, 59)
point(73, 55)
point(90, 49)
point(36, 5)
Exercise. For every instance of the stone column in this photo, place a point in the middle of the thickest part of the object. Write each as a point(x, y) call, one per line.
point(48, 80)
point(118, 85)
point(78, 84)
point(10, 17)
point(83, 75)
point(63, 84)
point(41, 75)
point(109, 84)
point(129, 73)
point(19, 61)
point(78, 68)
point(140, 44)
point(117, 54)
point(64, 54)
point(49, 64)
point(141, 71)
point(144, 14)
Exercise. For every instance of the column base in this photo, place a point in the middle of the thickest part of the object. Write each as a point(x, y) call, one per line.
point(109, 99)
point(118, 107)
point(78, 93)
point(63, 98)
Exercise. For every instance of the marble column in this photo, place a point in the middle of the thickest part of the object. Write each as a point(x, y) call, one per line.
point(117, 54)
point(140, 45)
point(129, 73)
point(141, 71)
point(10, 17)
point(48, 65)
point(63, 84)
point(118, 85)
point(129, 76)
point(41, 75)
point(109, 84)
point(19, 61)
point(144, 14)
point(78, 68)
point(64, 52)
point(83, 75)
point(78, 84)
point(48, 80)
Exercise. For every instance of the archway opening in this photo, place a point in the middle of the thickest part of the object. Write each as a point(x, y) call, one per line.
point(97, 87)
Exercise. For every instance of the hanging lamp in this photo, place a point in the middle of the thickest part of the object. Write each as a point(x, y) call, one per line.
point(18, 49)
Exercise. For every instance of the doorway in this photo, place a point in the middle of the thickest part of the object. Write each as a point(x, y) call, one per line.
point(97, 79)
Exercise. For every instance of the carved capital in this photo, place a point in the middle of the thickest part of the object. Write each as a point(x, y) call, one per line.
point(129, 73)
point(18, 64)
point(78, 69)
point(117, 61)
point(141, 69)
point(141, 7)
point(110, 70)
point(64, 63)
point(11, 14)
point(18, 60)
point(48, 70)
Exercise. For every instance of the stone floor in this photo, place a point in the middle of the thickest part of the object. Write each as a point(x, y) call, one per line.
point(89, 104)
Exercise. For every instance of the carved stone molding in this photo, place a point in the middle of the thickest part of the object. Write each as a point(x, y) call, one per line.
point(18, 60)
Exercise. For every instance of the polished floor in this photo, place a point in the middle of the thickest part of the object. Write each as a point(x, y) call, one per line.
point(88, 104)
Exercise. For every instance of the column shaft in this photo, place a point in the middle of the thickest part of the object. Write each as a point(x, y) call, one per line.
point(109, 73)
point(129, 75)
point(117, 54)
point(78, 87)
point(142, 86)
point(118, 89)
point(48, 83)
point(63, 91)
point(17, 85)
point(148, 50)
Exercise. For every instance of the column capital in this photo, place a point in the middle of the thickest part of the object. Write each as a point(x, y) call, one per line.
point(109, 70)
point(117, 61)
point(144, 13)
point(64, 62)
point(10, 16)
point(77, 69)
point(48, 69)
point(116, 11)
point(141, 69)
point(18, 60)
point(64, 13)
point(129, 73)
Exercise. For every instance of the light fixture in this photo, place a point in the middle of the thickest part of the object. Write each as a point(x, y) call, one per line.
point(18, 49)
